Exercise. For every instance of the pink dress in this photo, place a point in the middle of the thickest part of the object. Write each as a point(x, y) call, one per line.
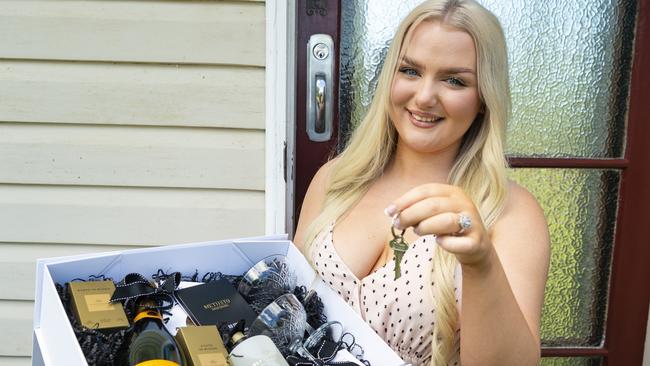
point(400, 311)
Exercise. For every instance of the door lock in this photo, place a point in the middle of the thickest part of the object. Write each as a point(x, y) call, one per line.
point(321, 51)
point(320, 103)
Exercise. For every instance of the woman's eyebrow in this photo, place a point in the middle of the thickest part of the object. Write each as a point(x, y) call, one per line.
point(458, 70)
point(448, 71)
point(411, 62)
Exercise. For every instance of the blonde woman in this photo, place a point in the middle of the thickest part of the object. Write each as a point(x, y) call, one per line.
point(428, 158)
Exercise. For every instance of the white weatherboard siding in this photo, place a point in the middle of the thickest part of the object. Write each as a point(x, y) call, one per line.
point(132, 94)
point(211, 32)
point(124, 124)
point(15, 361)
point(18, 268)
point(17, 327)
point(131, 156)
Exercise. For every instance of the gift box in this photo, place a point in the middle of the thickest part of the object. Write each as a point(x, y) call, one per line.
point(54, 342)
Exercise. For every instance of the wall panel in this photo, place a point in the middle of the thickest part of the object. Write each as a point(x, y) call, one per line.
point(16, 335)
point(131, 156)
point(126, 216)
point(134, 31)
point(124, 124)
point(131, 94)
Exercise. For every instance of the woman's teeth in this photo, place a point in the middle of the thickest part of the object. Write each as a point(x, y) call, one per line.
point(426, 119)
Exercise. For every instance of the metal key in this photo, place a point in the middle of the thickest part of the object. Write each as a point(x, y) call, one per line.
point(399, 246)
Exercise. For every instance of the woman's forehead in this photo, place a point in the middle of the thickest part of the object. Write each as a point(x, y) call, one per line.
point(433, 40)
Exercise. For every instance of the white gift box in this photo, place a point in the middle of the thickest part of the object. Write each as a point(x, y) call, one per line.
point(54, 342)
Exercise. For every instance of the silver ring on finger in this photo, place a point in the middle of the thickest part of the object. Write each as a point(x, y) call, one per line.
point(464, 223)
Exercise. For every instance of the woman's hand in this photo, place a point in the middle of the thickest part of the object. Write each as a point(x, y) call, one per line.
point(503, 274)
point(439, 209)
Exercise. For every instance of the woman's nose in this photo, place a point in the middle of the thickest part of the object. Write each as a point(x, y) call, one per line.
point(426, 96)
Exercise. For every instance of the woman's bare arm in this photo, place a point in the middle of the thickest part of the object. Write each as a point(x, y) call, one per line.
point(501, 304)
point(313, 203)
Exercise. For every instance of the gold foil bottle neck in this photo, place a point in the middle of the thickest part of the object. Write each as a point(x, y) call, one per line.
point(236, 338)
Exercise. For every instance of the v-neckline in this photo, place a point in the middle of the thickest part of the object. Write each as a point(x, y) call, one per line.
point(390, 264)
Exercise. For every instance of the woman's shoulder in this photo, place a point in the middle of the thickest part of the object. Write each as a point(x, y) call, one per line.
point(521, 212)
point(318, 186)
point(323, 173)
point(520, 199)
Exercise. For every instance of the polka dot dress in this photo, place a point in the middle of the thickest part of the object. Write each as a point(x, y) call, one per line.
point(400, 311)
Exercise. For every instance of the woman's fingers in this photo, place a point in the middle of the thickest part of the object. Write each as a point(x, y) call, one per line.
point(417, 194)
point(446, 223)
point(466, 248)
point(423, 210)
point(459, 245)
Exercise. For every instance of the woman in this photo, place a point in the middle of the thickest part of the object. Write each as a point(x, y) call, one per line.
point(428, 158)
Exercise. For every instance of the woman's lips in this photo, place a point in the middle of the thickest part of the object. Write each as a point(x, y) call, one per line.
point(424, 121)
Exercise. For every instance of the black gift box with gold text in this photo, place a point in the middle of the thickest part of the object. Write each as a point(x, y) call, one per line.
point(214, 303)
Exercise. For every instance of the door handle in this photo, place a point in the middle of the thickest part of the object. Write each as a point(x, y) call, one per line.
point(320, 104)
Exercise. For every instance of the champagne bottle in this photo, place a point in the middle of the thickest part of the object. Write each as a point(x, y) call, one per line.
point(151, 343)
point(258, 350)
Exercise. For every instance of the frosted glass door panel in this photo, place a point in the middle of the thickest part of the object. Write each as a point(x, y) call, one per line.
point(580, 206)
point(572, 361)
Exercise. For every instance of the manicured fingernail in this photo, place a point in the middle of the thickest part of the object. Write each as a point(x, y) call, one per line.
point(396, 223)
point(390, 210)
point(416, 230)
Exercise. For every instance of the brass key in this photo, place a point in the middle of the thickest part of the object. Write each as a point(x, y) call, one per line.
point(399, 246)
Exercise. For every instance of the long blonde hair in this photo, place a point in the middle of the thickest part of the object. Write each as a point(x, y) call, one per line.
point(479, 168)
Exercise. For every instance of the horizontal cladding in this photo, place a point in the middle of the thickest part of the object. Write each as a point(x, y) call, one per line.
point(16, 335)
point(124, 124)
point(18, 265)
point(16, 360)
point(132, 94)
point(212, 32)
point(125, 216)
point(131, 156)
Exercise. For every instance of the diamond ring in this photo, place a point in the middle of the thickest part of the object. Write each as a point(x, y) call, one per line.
point(464, 222)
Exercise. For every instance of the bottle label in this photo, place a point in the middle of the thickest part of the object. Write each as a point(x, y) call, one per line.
point(157, 363)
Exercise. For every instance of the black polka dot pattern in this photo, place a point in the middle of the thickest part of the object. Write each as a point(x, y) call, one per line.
point(405, 319)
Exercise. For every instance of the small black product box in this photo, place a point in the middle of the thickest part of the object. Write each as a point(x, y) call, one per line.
point(215, 303)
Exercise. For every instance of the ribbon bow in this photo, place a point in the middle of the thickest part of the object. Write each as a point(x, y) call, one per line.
point(134, 285)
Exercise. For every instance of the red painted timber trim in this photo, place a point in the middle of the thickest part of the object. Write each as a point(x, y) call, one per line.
point(567, 163)
point(573, 352)
point(311, 155)
point(629, 289)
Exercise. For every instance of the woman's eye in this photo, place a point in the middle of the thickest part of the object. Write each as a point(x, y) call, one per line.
point(408, 71)
point(454, 81)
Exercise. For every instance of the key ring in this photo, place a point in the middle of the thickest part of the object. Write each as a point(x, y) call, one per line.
point(392, 227)
point(392, 230)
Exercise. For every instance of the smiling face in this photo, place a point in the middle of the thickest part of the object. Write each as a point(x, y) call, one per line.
point(434, 95)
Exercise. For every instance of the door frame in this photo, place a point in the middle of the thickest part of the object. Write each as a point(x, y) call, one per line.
point(285, 120)
point(280, 108)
